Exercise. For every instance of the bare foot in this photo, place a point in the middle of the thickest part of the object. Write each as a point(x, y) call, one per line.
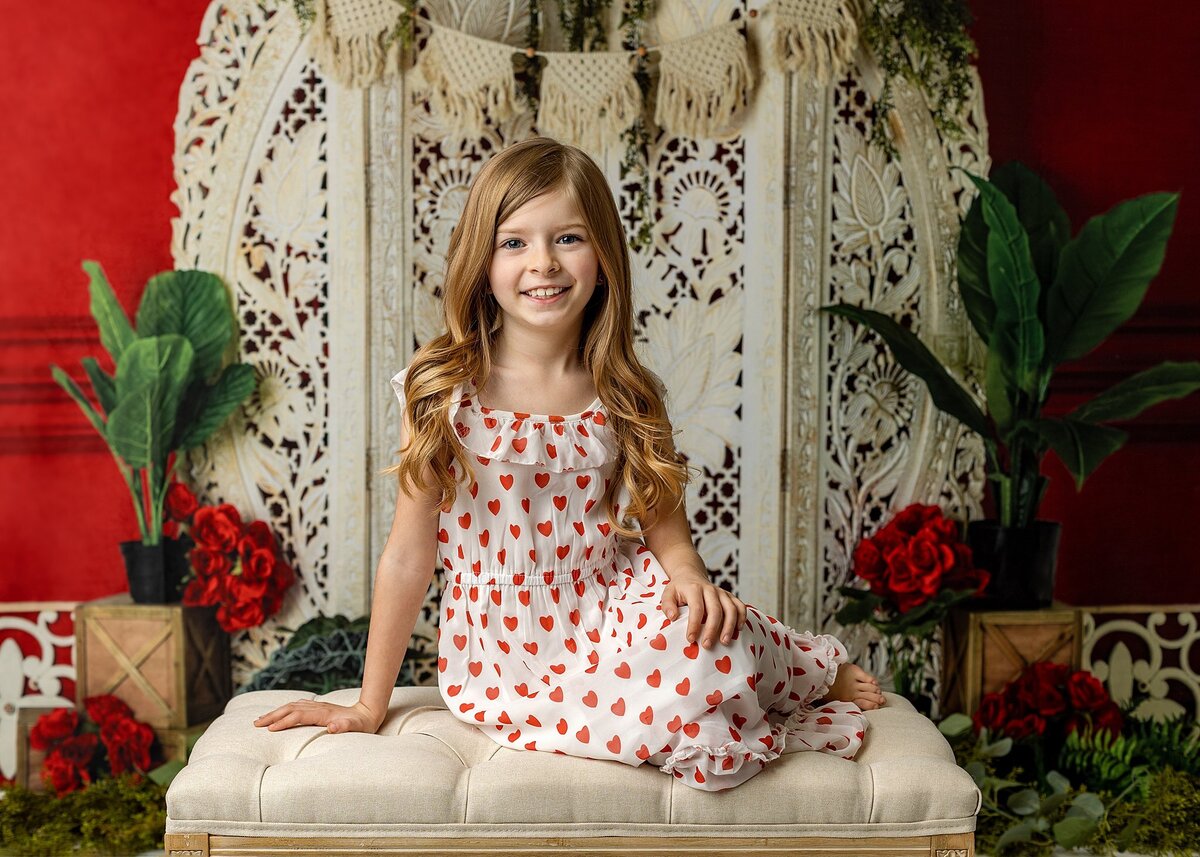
point(854, 684)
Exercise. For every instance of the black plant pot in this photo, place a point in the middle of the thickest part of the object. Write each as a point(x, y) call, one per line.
point(1021, 561)
point(156, 572)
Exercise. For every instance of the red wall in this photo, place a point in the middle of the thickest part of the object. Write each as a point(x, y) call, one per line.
point(88, 93)
point(1095, 97)
point(1100, 98)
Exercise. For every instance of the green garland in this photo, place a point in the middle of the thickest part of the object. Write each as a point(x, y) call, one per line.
point(926, 42)
point(636, 160)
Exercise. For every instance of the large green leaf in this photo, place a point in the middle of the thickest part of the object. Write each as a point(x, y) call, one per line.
point(64, 380)
point(912, 355)
point(1082, 446)
point(972, 271)
point(102, 383)
point(151, 379)
point(194, 304)
point(1039, 213)
point(218, 402)
point(1016, 329)
point(115, 332)
point(999, 397)
point(1104, 273)
point(1126, 399)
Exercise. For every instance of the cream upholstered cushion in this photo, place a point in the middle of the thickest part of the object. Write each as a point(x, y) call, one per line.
point(426, 773)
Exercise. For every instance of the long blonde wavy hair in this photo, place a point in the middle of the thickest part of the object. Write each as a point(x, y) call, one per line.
point(647, 463)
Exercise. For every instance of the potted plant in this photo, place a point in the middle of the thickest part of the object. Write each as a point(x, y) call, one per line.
point(169, 393)
point(1039, 298)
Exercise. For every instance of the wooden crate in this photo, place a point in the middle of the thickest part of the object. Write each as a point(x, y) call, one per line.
point(985, 650)
point(29, 760)
point(168, 662)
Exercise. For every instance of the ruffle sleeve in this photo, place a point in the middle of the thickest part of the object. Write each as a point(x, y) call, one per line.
point(556, 443)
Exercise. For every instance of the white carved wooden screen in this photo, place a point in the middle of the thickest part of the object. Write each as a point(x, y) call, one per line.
point(328, 211)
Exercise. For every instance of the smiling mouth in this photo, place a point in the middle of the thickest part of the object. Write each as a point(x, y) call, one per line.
point(545, 292)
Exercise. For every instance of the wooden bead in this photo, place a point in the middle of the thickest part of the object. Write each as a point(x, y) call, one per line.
point(530, 52)
point(641, 51)
point(753, 13)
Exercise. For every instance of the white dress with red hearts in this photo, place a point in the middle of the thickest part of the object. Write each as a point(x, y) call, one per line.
point(551, 636)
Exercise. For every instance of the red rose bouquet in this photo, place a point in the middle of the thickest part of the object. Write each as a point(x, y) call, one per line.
point(238, 567)
point(916, 568)
point(108, 743)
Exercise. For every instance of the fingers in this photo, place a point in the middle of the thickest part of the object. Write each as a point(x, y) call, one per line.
point(669, 608)
point(714, 614)
point(301, 713)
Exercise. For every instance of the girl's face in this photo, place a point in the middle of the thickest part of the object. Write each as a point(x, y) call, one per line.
point(544, 265)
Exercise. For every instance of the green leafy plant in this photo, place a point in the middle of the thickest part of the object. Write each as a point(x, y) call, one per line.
point(111, 816)
point(1130, 759)
point(327, 653)
point(1039, 298)
point(170, 391)
point(926, 43)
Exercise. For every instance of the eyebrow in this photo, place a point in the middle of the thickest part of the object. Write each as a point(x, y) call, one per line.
point(558, 229)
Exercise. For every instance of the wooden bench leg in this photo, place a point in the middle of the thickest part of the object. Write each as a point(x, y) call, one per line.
point(186, 844)
point(952, 845)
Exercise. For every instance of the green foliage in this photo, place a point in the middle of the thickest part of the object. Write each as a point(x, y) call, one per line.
point(111, 816)
point(169, 392)
point(327, 653)
point(1129, 760)
point(1037, 298)
point(927, 43)
point(1167, 822)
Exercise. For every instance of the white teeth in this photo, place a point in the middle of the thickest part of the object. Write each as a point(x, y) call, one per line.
point(544, 293)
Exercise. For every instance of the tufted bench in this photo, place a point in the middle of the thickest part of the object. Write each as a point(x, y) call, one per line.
point(429, 784)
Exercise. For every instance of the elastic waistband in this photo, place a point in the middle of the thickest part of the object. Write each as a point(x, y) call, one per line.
point(558, 574)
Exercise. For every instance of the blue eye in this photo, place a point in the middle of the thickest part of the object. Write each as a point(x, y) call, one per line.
point(509, 241)
point(576, 237)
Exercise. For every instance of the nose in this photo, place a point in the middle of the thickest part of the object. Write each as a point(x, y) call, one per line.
point(542, 260)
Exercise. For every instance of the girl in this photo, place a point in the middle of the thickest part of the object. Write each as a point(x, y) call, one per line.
point(532, 440)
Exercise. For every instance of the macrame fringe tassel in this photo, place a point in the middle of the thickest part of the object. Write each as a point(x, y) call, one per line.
point(355, 59)
point(469, 81)
point(704, 83)
point(588, 100)
point(816, 37)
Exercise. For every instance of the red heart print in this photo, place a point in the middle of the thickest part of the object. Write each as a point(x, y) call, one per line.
point(462, 430)
point(598, 418)
point(583, 430)
point(557, 694)
point(510, 622)
point(614, 745)
point(552, 450)
point(562, 727)
point(825, 721)
point(692, 650)
point(514, 735)
point(542, 479)
point(464, 520)
point(506, 479)
point(515, 529)
point(460, 641)
point(442, 665)
point(739, 721)
point(647, 716)
point(496, 597)
point(492, 692)
point(675, 724)
point(523, 690)
point(714, 698)
point(474, 489)
point(494, 507)
point(654, 679)
point(618, 707)
point(583, 735)
point(533, 721)
point(523, 597)
point(525, 504)
point(547, 622)
point(752, 681)
point(590, 699)
point(583, 481)
point(545, 528)
point(691, 729)
point(659, 642)
point(558, 669)
point(483, 538)
point(503, 646)
point(574, 616)
point(531, 648)
point(466, 706)
point(642, 752)
point(603, 528)
point(578, 525)
point(560, 501)
point(476, 667)
point(582, 452)
point(453, 690)
point(562, 550)
point(684, 687)
point(443, 537)
point(501, 554)
point(622, 670)
point(519, 443)
point(490, 422)
point(724, 664)
point(587, 507)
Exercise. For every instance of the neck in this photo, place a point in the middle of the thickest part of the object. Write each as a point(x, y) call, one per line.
point(539, 353)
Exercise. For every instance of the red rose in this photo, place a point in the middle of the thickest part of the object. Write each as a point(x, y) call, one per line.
point(61, 775)
point(217, 528)
point(1023, 727)
point(104, 708)
point(932, 559)
point(869, 564)
point(258, 535)
point(1108, 718)
point(992, 713)
point(204, 591)
point(282, 576)
point(128, 744)
point(171, 529)
point(235, 617)
point(1086, 691)
point(79, 749)
point(53, 727)
point(180, 502)
point(209, 563)
point(240, 587)
point(942, 529)
point(259, 565)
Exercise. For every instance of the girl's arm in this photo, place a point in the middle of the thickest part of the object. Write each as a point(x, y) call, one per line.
point(402, 578)
point(670, 540)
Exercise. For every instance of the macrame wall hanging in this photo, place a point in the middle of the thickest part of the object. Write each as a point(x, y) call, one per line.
point(705, 79)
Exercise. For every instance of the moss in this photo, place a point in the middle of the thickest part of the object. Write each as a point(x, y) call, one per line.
point(1167, 823)
point(111, 816)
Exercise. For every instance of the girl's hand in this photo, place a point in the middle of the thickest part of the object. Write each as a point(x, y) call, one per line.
point(310, 712)
point(707, 604)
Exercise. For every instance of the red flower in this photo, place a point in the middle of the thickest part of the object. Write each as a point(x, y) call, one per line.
point(241, 587)
point(171, 529)
point(204, 591)
point(61, 775)
point(911, 518)
point(217, 528)
point(992, 713)
point(1086, 691)
point(209, 563)
point(102, 709)
point(180, 502)
point(1108, 718)
point(53, 727)
point(1023, 727)
point(258, 535)
point(246, 614)
point(78, 749)
point(870, 565)
point(128, 743)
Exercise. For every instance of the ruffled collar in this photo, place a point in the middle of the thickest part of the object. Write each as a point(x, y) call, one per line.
point(555, 442)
